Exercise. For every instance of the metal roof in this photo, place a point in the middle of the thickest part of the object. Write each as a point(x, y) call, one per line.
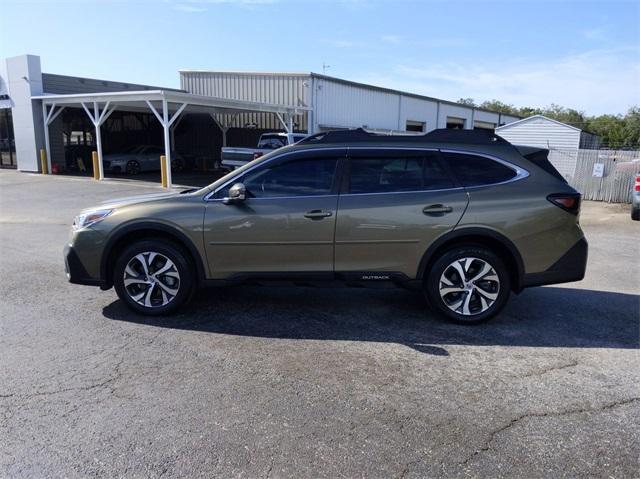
point(529, 118)
point(222, 105)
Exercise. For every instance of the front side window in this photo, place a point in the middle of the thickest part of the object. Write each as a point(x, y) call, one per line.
point(397, 174)
point(473, 170)
point(302, 177)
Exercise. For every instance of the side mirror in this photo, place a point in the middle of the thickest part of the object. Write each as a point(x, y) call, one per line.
point(237, 194)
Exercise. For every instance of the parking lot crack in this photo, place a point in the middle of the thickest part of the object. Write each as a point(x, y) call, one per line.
point(117, 374)
point(584, 410)
point(540, 372)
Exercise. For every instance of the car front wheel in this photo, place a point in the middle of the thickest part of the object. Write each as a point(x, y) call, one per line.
point(468, 284)
point(153, 277)
point(133, 167)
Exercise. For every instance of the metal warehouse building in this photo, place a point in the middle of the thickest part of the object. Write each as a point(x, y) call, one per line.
point(68, 115)
point(337, 104)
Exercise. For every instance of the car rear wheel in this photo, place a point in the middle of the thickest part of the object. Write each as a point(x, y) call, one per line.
point(133, 167)
point(635, 214)
point(468, 284)
point(153, 277)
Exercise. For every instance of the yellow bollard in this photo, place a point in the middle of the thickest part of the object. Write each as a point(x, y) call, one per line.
point(96, 166)
point(43, 161)
point(163, 170)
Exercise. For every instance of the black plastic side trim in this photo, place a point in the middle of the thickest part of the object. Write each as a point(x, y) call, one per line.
point(460, 233)
point(149, 226)
point(570, 267)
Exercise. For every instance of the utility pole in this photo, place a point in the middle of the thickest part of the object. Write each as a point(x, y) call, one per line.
point(324, 67)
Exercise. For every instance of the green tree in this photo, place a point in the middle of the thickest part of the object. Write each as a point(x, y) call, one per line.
point(467, 101)
point(496, 105)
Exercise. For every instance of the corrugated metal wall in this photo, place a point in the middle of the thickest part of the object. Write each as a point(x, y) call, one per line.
point(541, 132)
point(339, 104)
point(284, 89)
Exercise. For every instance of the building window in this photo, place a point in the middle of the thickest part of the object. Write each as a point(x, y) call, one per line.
point(483, 125)
point(416, 126)
point(454, 123)
point(7, 140)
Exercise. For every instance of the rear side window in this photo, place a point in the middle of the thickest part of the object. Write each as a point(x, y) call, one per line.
point(472, 170)
point(397, 174)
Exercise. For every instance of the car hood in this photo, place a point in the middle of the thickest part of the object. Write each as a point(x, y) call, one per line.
point(133, 200)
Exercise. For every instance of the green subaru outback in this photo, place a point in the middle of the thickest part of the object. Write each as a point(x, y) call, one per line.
point(464, 216)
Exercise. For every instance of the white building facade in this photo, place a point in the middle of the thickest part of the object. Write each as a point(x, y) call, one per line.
point(335, 103)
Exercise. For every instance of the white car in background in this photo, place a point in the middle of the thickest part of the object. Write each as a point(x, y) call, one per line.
point(233, 157)
point(139, 159)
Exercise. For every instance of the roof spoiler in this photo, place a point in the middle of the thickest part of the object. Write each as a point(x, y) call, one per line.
point(539, 157)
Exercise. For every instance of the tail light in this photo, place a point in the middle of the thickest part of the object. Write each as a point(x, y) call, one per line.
point(567, 201)
point(257, 155)
point(637, 186)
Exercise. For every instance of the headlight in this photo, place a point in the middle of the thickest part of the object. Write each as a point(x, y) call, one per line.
point(89, 218)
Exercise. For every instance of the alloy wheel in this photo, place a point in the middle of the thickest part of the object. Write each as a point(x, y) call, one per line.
point(151, 279)
point(469, 286)
point(133, 167)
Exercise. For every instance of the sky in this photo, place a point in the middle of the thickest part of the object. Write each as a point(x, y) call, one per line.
point(581, 55)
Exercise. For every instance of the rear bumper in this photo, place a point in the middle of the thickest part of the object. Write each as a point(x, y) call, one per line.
point(76, 272)
point(570, 267)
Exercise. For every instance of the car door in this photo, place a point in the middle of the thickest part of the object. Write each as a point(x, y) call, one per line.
point(149, 158)
point(287, 223)
point(394, 204)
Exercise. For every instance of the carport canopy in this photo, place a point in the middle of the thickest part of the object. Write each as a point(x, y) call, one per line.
point(166, 105)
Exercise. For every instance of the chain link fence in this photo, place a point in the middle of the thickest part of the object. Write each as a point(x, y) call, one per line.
point(600, 175)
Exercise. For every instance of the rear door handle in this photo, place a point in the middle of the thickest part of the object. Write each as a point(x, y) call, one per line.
point(437, 210)
point(317, 214)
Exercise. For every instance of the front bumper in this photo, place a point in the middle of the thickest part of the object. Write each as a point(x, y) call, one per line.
point(76, 272)
point(572, 266)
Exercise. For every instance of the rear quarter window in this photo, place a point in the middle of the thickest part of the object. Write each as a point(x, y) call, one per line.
point(473, 170)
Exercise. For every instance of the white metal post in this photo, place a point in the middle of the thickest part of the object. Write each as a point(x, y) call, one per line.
point(167, 139)
point(289, 123)
point(96, 123)
point(47, 146)
point(48, 118)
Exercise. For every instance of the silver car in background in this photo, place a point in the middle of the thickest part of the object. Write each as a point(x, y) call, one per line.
point(139, 159)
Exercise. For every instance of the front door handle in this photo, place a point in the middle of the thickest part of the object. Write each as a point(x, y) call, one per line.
point(437, 210)
point(317, 214)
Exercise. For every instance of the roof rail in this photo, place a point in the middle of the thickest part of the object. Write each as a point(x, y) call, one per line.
point(441, 135)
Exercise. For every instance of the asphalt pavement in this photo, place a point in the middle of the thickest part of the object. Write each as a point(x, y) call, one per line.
point(309, 382)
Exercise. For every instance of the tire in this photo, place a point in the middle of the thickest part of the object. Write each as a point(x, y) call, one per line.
point(487, 295)
point(133, 167)
point(154, 294)
point(635, 214)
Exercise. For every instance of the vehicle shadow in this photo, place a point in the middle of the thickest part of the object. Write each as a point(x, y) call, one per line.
point(538, 317)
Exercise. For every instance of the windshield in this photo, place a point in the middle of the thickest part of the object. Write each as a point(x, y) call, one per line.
point(131, 149)
point(272, 141)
